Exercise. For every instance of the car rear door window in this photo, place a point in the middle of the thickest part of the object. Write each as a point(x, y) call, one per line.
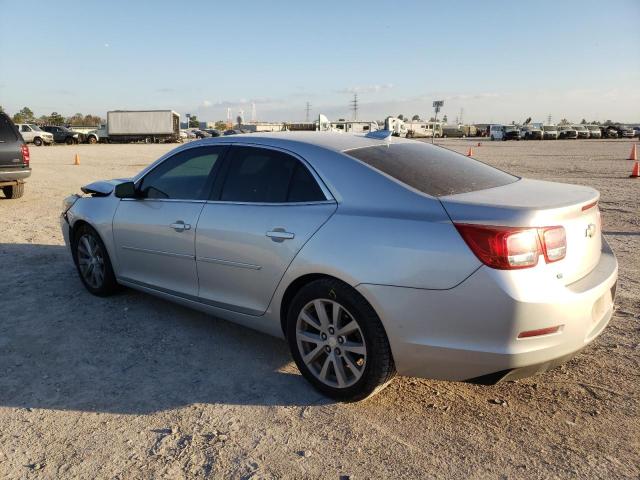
point(188, 175)
point(261, 175)
point(432, 170)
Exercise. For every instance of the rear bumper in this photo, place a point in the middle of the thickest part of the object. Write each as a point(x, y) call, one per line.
point(14, 174)
point(471, 332)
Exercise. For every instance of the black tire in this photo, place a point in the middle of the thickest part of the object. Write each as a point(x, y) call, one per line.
point(492, 138)
point(109, 285)
point(68, 140)
point(37, 141)
point(379, 368)
point(13, 191)
point(92, 140)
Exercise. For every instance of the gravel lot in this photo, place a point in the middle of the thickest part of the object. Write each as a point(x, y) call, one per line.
point(136, 387)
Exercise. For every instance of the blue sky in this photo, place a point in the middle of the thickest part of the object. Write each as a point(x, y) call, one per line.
point(499, 61)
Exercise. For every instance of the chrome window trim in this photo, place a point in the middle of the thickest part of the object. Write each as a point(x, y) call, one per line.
point(166, 200)
point(272, 204)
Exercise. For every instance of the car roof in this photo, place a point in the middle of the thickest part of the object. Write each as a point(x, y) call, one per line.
point(335, 141)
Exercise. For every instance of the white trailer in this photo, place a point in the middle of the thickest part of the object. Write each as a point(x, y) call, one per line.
point(420, 129)
point(354, 126)
point(150, 126)
point(396, 126)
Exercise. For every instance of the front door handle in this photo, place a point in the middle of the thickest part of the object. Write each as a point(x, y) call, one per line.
point(180, 226)
point(280, 235)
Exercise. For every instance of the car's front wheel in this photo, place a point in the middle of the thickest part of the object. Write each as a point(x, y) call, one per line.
point(338, 341)
point(93, 263)
point(37, 141)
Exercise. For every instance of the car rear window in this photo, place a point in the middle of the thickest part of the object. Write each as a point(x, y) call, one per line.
point(432, 170)
point(7, 131)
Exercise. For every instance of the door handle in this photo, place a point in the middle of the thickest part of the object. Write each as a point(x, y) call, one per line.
point(180, 226)
point(280, 235)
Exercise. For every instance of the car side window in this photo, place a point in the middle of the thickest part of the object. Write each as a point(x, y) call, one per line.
point(25, 128)
point(260, 175)
point(188, 175)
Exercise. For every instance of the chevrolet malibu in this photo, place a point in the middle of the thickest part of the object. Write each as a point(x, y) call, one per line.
point(370, 255)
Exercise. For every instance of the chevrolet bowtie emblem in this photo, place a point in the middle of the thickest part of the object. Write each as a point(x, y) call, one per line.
point(591, 230)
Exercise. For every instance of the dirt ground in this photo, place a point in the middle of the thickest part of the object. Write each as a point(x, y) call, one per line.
point(132, 387)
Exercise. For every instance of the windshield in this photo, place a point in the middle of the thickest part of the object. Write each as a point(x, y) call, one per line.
point(510, 128)
point(593, 127)
point(35, 128)
point(432, 170)
point(579, 127)
point(549, 128)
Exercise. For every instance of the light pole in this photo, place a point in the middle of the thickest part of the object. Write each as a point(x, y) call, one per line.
point(437, 104)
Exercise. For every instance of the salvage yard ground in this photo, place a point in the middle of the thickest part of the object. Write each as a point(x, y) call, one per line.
point(135, 387)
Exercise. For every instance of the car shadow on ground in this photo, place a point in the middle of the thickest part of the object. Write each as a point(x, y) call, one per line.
point(63, 348)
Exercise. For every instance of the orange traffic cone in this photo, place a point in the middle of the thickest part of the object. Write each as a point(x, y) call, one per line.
point(470, 152)
point(479, 144)
point(77, 160)
point(634, 154)
point(635, 173)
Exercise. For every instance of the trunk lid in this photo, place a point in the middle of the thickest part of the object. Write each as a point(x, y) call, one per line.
point(535, 203)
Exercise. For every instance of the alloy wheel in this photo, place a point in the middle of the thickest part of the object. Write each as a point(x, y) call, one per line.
point(331, 343)
point(91, 261)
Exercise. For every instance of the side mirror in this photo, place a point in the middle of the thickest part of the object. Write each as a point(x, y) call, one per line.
point(125, 190)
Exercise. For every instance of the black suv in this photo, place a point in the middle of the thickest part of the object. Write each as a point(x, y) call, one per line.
point(14, 159)
point(64, 135)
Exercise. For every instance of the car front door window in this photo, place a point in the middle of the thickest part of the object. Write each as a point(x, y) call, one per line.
point(185, 176)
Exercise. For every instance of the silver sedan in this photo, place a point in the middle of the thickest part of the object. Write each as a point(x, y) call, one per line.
point(371, 255)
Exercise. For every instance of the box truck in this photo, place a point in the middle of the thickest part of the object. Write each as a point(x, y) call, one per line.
point(149, 126)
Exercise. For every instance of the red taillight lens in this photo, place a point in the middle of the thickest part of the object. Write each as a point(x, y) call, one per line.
point(554, 241)
point(25, 155)
point(508, 248)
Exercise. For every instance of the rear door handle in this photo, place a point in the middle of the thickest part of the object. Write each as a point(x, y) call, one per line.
point(280, 235)
point(180, 226)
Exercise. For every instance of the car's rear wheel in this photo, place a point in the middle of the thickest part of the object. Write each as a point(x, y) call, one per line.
point(338, 342)
point(93, 140)
point(37, 141)
point(93, 263)
point(13, 191)
point(69, 140)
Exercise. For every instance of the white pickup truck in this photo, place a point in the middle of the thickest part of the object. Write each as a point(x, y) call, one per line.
point(34, 134)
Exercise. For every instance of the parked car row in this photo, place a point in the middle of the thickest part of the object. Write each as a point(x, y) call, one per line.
point(555, 132)
point(48, 134)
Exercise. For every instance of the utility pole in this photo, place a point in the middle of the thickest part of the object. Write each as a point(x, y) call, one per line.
point(354, 106)
point(307, 110)
point(253, 111)
point(461, 112)
point(549, 120)
point(437, 105)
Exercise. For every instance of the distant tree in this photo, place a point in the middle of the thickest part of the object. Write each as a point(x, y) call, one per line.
point(564, 121)
point(220, 125)
point(1, 109)
point(583, 122)
point(595, 122)
point(415, 118)
point(75, 120)
point(432, 119)
point(55, 119)
point(608, 122)
point(193, 122)
point(42, 120)
point(401, 117)
point(23, 116)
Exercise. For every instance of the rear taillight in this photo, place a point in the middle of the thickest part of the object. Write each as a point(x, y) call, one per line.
point(509, 248)
point(25, 155)
point(554, 243)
